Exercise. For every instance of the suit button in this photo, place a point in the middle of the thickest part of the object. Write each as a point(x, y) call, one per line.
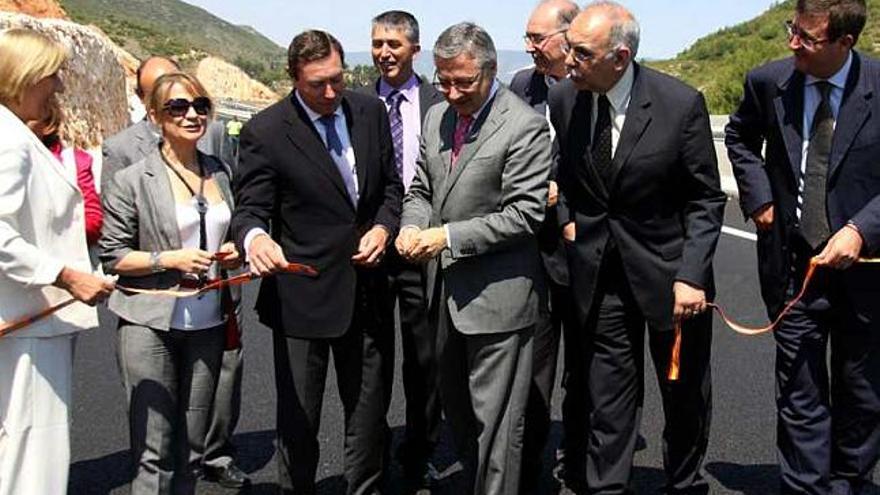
point(598, 250)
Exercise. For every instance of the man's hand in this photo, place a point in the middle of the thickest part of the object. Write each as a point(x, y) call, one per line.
point(265, 256)
point(406, 238)
point(372, 247)
point(427, 244)
point(689, 301)
point(842, 250)
point(763, 217)
point(568, 232)
point(552, 194)
point(85, 287)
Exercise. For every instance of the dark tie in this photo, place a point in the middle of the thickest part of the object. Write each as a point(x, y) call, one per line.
point(334, 146)
point(394, 100)
point(600, 152)
point(814, 217)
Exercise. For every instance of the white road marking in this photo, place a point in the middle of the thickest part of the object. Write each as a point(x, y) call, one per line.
point(742, 234)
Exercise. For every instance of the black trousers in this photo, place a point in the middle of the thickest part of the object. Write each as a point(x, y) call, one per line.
point(300, 375)
point(612, 350)
point(554, 316)
point(828, 428)
point(418, 342)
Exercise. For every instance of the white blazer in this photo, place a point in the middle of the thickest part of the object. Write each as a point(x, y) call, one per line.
point(42, 229)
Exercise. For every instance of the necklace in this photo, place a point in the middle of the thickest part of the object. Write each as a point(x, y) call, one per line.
point(201, 205)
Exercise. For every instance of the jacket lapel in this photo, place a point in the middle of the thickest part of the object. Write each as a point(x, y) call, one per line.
point(161, 197)
point(581, 142)
point(790, 117)
point(854, 111)
point(303, 135)
point(638, 116)
point(359, 135)
point(428, 97)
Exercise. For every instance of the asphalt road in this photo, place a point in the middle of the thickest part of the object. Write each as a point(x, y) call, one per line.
point(741, 457)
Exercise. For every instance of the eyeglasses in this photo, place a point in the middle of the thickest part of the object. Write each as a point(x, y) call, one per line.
point(445, 85)
point(535, 40)
point(179, 107)
point(807, 40)
point(582, 54)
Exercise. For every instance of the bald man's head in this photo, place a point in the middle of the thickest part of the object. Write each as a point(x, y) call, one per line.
point(544, 35)
point(603, 40)
point(151, 69)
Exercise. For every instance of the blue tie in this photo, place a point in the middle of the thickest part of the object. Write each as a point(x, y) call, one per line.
point(334, 146)
point(396, 122)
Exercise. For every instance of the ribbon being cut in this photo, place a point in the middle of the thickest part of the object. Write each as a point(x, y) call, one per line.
point(674, 372)
point(293, 268)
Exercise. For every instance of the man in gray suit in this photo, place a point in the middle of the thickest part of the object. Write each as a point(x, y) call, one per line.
point(472, 212)
point(126, 148)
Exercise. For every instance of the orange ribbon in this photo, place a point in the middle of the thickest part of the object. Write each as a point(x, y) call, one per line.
point(294, 268)
point(674, 371)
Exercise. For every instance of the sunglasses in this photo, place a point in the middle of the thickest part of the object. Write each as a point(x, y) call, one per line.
point(179, 107)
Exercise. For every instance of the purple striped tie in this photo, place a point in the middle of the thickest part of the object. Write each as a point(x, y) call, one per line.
point(394, 119)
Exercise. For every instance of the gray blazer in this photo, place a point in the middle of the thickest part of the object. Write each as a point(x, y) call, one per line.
point(492, 203)
point(139, 215)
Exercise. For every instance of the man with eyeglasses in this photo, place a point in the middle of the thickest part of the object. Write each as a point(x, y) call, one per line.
point(472, 213)
point(804, 145)
point(545, 34)
point(638, 173)
point(407, 97)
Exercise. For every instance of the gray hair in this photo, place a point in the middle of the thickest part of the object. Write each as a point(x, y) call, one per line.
point(567, 10)
point(400, 20)
point(467, 38)
point(625, 30)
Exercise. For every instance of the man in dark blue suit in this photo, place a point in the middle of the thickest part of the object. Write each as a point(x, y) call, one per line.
point(815, 192)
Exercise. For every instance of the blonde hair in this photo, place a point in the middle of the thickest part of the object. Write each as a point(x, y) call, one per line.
point(163, 85)
point(26, 57)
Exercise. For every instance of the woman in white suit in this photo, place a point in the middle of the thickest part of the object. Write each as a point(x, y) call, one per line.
point(43, 261)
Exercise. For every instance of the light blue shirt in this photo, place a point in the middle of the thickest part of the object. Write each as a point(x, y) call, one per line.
point(347, 159)
point(812, 99)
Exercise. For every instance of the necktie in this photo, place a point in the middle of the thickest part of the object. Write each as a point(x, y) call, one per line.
point(600, 152)
point(394, 100)
point(814, 218)
point(334, 146)
point(461, 131)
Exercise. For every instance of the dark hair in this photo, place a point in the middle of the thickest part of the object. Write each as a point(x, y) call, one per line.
point(309, 46)
point(137, 89)
point(844, 16)
point(398, 19)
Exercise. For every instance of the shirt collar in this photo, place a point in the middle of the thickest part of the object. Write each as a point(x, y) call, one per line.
point(313, 115)
point(486, 103)
point(406, 89)
point(838, 80)
point(619, 94)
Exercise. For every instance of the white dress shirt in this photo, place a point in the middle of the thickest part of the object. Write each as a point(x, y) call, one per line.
point(618, 98)
point(410, 114)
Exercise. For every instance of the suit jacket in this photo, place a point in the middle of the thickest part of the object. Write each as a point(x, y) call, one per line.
point(42, 230)
point(428, 96)
point(771, 113)
point(492, 203)
point(138, 140)
point(288, 179)
point(663, 207)
point(139, 216)
point(531, 86)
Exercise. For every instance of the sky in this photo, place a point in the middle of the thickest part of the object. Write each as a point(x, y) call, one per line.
point(668, 26)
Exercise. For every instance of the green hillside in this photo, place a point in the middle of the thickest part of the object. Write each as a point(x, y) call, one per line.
point(716, 64)
point(175, 28)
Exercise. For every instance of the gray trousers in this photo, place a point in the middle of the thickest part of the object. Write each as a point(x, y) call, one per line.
point(170, 378)
point(484, 388)
point(219, 451)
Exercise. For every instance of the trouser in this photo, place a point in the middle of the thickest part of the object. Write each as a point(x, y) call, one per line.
point(828, 431)
point(300, 374)
point(35, 392)
point(613, 356)
point(219, 451)
point(484, 387)
point(553, 318)
point(170, 377)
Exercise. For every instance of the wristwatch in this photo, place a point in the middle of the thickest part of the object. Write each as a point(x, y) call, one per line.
point(155, 266)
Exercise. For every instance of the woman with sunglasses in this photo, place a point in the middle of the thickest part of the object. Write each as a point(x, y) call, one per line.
point(165, 226)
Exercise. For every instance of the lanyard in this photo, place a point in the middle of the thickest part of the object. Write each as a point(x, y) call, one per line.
point(201, 205)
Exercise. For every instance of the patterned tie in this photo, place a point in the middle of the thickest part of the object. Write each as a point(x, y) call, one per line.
point(600, 151)
point(334, 146)
point(814, 217)
point(462, 127)
point(394, 99)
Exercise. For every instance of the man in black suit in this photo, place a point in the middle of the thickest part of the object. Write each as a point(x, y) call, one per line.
point(318, 167)
point(544, 38)
point(638, 174)
point(407, 97)
point(815, 192)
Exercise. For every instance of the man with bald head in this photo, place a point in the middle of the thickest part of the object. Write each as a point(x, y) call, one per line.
point(638, 174)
